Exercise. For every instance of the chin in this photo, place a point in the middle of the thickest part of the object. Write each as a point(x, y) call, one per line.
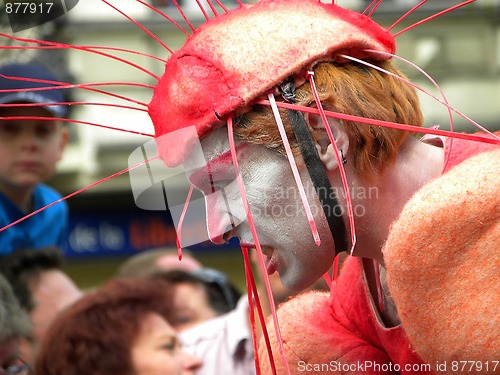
point(297, 282)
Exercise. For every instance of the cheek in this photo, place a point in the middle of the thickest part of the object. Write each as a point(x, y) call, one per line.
point(305, 262)
point(266, 186)
point(7, 153)
point(168, 363)
point(49, 160)
point(54, 151)
point(157, 362)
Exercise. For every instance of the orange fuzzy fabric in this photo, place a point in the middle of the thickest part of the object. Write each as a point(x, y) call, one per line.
point(443, 265)
point(319, 341)
point(232, 59)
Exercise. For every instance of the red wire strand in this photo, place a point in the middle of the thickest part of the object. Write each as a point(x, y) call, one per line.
point(183, 15)
point(295, 171)
point(250, 295)
point(84, 86)
point(432, 17)
point(378, 284)
point(90, 48)
point(444, 102)
point(63, 45)
point(339, 161)
point(202, 10)
point(171, 20)
point(157, 39)
point(256, 239)
point(221, 4)
point(212, 8)
point(178, 241)
point(489, 138)
point(123, 171)
point(72, 104)
point(375, 8)
point(369, 7)
point(260, 312)
point(63, 119)
point(406, 14)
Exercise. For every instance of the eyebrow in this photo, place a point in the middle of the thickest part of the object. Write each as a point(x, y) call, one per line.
point(226, 156)
point(223, 158)
point(170, 338)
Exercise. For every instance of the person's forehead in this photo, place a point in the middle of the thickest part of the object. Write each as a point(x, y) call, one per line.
point(215, 144)
point(172, 262)
point(24, 110)
point(156, 327)
point(57, 287)
point(188, 294)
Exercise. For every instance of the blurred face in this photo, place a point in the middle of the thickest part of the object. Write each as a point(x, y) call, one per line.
point(277, 210)
point(29, 149)
point(172, 262)
point(53, 292)
point(157, 351)
point(191, 306)
point(9, 358)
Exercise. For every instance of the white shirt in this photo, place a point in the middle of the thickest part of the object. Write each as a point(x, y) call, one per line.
point(223, 343)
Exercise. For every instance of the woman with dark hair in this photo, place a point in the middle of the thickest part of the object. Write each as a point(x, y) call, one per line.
point(121, 328)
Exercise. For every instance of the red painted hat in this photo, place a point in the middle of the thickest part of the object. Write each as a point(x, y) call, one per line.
point(232, 59)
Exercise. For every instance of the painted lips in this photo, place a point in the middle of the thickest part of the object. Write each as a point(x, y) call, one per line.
point(270, 260)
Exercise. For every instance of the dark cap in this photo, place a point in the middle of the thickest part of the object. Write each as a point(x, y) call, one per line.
point(36, 72)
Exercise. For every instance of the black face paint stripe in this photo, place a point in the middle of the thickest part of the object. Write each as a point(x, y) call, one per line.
point(324, 190)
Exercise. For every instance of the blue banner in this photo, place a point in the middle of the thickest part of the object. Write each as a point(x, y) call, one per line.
point(124, 234)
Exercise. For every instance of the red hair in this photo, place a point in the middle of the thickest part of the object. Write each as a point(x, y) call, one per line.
point(353, 89)
point(95, 335)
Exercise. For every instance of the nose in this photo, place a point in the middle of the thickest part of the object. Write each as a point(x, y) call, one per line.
point(191, 363)
point(219, 219)
point(28, 139)
point(218, 228)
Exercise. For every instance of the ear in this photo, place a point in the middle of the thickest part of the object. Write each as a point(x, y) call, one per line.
point(323, 144)
point(64, 137)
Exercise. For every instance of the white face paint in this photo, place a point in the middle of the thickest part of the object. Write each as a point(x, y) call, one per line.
point(279, 217)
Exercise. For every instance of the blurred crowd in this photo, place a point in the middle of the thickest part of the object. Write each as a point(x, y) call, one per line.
point(157, 315)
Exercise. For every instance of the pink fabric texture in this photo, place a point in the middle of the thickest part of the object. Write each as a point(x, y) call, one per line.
point(340, 335)
point(236, 57)
point(445, 245)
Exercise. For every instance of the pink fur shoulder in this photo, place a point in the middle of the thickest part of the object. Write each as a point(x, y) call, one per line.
point(443, 264)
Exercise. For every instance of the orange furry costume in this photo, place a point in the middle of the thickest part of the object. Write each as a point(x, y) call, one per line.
point(442, 269)
point(219, 74)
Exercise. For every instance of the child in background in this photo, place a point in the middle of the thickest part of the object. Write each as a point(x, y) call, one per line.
point(29, 151)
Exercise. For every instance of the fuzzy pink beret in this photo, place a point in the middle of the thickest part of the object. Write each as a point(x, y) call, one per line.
point(232, 59)
point(443, 265)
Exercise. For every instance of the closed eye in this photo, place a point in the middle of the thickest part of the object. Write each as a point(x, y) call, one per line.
point(213, 177)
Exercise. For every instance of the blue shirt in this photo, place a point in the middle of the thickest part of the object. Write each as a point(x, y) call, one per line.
point(46, 228)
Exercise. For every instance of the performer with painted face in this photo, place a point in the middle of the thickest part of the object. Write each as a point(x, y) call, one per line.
point(284, 114)
point(291, 119)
